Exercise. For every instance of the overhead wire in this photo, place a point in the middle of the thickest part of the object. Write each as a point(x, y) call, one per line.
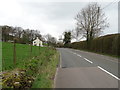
point(110, 4)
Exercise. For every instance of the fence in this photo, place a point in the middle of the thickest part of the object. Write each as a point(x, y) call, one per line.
point(14, 54)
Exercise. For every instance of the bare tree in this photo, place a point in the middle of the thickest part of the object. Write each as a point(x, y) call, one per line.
point(76, 34)
point(91, 21)
point(18, 31)
point(53, 40)
point(50, 40)
point(5, 33)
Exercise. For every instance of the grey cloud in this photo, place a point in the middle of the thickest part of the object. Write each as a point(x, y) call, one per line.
point(55, 17)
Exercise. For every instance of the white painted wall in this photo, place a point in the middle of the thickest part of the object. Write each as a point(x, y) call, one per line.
point(37, 42)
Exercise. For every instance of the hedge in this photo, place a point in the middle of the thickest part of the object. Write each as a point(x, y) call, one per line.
point(108, 44)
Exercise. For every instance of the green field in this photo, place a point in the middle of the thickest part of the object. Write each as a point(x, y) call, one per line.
point(23, 53)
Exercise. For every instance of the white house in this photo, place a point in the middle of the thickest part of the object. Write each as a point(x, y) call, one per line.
point(37, 42)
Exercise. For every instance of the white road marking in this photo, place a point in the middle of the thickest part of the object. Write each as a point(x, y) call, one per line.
point(102, 56)
point(79, 55)
point(55, 78)
point(60, 61)
point(74, 53)
point(97, 66)
point(108, 72)
point(88, 60)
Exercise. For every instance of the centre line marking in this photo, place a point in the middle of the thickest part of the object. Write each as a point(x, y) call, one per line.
point(74, 53)
point(108, 73)
point(79, 55)
point(88, 60)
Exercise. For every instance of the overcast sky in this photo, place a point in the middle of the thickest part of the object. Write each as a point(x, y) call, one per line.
point(52, 17)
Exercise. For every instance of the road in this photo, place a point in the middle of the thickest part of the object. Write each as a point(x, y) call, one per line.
point(80, 69)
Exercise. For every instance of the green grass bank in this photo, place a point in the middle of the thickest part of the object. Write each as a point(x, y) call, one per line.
point(40, 65)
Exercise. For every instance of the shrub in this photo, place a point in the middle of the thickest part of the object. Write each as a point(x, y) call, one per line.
point(16, 79)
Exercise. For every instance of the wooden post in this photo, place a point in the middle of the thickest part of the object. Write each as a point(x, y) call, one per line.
point(14, 52)
point(39, 48)
point(31, 49)
point(31, 44)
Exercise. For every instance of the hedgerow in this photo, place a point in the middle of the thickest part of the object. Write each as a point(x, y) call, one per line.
point(108, 44)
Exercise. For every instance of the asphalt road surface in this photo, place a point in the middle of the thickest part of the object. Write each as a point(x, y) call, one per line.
point(80, 69)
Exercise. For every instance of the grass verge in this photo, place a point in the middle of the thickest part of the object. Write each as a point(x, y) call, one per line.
point(46, 75)
point(40, 67)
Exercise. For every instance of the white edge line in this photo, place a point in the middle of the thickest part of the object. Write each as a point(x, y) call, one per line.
point(88, 60)
point(108, 72)
point(60, 61)
point(55, 78)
